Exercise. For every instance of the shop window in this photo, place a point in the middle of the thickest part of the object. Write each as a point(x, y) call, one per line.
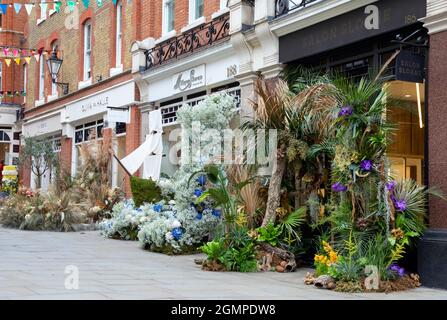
point(168, 16)
point(87, 50)
point(195, 10)
point(16, 135)
point(120, 128)
point(89, 131)
point(119, 35)
point(16, 148)
point(4, 136)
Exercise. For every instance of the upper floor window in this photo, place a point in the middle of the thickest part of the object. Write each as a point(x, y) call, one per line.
point(25, 80)
point(87, 50)
point(41, 78)
point(119, 33)
point(43, 10)
point(223, 4)
point(168, 15)
point(195, 10)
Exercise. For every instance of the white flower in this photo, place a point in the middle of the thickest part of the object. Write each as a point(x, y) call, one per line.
point(27, 217)
point(176, 224)
point(172, 202)
point(169, 236)
point(128, 217)
point(143, 219)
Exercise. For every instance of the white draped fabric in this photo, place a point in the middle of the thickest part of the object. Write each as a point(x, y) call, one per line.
point(150, 152)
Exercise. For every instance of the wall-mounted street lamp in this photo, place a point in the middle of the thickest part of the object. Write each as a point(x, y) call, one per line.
point(54, 66)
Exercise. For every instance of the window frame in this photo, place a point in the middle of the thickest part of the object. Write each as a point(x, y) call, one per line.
point(119, 34)
point(193, 14)
point(41, 82)
point(87, 50)
point(165, 16)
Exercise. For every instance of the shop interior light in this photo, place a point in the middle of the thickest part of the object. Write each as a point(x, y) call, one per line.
point(421, 123)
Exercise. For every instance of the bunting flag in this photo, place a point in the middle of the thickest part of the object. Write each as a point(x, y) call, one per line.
point(43, 6)
point(8, 62)
point(4, 7)
point(6, 51)
point(15, 52)
point(37, 56)
point(99, 3)
point(17, 7)
point(14, 93)
point(29, 7)
point(114, 2)
point(27, 59)
point(57, 6)
point(71, 5)
point(86, 3)
point(17, 61)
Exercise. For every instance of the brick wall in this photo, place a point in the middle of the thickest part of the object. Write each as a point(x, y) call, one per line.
point(133, 130)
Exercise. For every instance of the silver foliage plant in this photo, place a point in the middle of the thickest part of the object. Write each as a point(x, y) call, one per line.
point(177, 225)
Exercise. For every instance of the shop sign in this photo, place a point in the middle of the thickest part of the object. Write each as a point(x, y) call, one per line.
point(42, 126)
point(189, 79)
point(378, 18)
point(118, 96)
point(118, 115)
point(410, 67)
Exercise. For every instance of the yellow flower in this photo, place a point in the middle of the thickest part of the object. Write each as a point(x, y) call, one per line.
point(327, 247)
point(333, 257)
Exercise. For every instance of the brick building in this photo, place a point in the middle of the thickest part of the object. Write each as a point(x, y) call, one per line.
point(12, 84)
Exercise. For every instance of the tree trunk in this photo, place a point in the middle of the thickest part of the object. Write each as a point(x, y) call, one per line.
point(274, 192)
point(38, 182)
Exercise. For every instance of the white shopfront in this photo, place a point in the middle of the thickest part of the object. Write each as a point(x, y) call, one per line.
point(88, 116)
point(9, 140)
point(186, 81)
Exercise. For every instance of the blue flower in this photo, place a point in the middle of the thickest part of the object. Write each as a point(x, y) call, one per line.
point(217, 213)
point(201, 180)
point(177, 233)
point(401, 205)
point(198, 192)
point(139, 209)
point(199, 216)
point(390, 186)
point(157, 207)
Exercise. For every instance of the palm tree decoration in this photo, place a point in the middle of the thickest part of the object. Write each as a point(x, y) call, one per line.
point(301, 119)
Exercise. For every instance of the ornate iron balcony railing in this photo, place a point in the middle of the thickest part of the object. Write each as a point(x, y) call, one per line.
point(205, 35)
point(283, 7)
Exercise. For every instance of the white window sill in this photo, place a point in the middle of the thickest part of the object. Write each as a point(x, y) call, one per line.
point(40, 102)
point(220, 12)
point(40, 20)
point(52, 97)
point(115, 71)
point(52, 11)
point(193, 24)
point(85, 83)
point(166, 36)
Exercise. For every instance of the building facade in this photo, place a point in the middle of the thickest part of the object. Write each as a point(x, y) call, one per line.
point(141, 56)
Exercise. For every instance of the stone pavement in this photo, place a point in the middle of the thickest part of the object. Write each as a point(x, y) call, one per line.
point(32, 266)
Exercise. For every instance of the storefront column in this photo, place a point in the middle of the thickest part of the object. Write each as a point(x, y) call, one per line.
point(66, 154)
point(133, 134)
point(432, 261)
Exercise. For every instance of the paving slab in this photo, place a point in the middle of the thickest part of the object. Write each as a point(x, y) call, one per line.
point(39, 265)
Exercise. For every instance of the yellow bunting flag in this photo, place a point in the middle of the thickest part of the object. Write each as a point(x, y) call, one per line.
point(17, 60)
point(27, 59)
point(8, 62)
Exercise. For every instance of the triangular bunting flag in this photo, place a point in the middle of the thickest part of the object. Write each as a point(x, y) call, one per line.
point(71, 5)
point(29, 8)
point(8, 62)
point(23, 52)
point(99, 2)
point(37, 56)
point(57, 6)
point(43, 6)
point(86, 3)
point(17, 60)
point(5, 51)
point(27, 59)
point(16, 52)
point(4, 7)
point(114, 2)
point(17, 7)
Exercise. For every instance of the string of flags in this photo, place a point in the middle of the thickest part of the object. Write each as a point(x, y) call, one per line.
point(17, 55)
point(45, 5)
point(12, 94)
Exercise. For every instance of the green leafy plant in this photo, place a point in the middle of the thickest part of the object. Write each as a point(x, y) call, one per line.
point(240, 259)
point(289, 226)
point(213, 249)
point(270, 234)
point(144, 191)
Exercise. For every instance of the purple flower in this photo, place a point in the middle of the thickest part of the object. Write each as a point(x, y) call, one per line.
point(198, 192)
point(390, 186)
point(338, 187)
point(177, 233)
point(401, 205)
point(395, 268)
point(366, 165)
point(345, 111)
